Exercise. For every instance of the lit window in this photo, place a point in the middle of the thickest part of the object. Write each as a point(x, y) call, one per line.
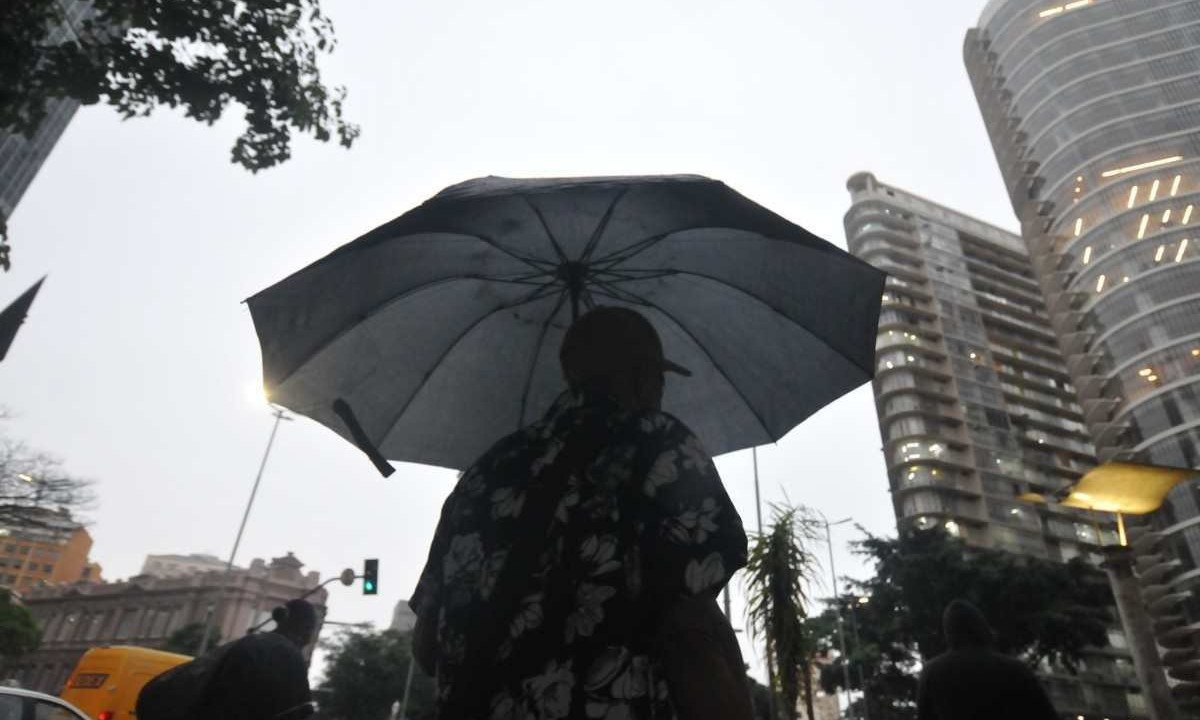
point(1100, 283)
point(1141, 166)
point(1078, 227)
point(1060, 9)
point(1146, 372)
point(1187, 214)
point(1087, 254)
point(1182, 249)
point(1158, 256)
point(1166, 216)
point(1196, 353)
point(1142, 226)
point(1132, 196)
point(1154, 190)
point(1175, 185)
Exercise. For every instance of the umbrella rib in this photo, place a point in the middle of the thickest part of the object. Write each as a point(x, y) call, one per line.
point(631, 251)
point(601, 226)
point(762, 423)
point(362, 317)
point(562, 298)
point(532, 297)
point(562, 255)
point(870, 371)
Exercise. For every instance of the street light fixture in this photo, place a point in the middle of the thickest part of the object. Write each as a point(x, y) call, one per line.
point(1128, 489)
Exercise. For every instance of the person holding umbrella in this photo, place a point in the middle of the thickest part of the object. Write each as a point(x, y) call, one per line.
point(561, 552)
point(576, 562)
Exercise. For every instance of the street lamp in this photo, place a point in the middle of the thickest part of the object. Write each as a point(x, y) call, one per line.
point(836, 602)
point(1128, 489)
point(280, 415)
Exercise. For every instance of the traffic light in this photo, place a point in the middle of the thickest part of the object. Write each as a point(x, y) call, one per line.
point(371, 577)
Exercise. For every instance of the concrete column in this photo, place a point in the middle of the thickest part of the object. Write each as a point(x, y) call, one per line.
point(1147, 663)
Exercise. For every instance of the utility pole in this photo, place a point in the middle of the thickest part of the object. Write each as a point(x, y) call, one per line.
point(212, 610)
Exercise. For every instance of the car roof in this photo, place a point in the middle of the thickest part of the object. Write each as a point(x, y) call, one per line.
point(22, 692)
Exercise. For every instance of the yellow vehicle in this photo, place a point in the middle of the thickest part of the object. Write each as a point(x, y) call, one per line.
point(106, 682)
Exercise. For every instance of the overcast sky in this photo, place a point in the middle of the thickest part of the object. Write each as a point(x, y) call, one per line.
point(138, 363)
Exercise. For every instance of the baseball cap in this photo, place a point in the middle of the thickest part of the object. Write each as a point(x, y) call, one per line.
point(608, 338)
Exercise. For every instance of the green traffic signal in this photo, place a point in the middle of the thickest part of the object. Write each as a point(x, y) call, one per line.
point(371, 577)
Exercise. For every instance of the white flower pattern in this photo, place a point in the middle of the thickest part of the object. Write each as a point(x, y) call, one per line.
point(686, 534)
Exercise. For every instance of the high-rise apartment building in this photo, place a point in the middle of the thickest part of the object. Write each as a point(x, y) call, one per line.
point(1093, 109)
point(47, 547)
point(21, 157)
point(975, 405)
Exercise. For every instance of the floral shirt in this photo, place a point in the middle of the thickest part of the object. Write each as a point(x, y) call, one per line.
point(648, 521)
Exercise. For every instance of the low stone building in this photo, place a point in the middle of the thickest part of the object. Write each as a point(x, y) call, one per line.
point(145, 610)
point(181, 565)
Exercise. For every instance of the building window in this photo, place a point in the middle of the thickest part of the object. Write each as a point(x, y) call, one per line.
point(126, 626)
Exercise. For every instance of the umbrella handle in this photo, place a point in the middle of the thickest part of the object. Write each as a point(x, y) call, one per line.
point(342, 408)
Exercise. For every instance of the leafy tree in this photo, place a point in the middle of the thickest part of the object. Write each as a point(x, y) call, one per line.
point(199, 55)
point(187, 639)
point(1039, 610)
point(366, 672)
point(33, 485)
point(779, 572)
point(19, 633)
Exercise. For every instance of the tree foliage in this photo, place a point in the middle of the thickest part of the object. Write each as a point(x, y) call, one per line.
point(1039, 610)
point(19, 633)
point(198, 55)
point(187, 640)
point(366, 672)
point(780, 570)
point(33, 484)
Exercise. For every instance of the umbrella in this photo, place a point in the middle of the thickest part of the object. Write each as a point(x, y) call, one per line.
point(13, 316)
point(432, 336)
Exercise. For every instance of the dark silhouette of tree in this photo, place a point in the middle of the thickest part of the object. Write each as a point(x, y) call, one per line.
point(186, 640)
point(35, 491)
point(197, 55)
point(19, 633)
point(1038, 608)
point(365, 673)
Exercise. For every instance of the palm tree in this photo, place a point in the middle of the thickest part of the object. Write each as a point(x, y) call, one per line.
point(780, 570)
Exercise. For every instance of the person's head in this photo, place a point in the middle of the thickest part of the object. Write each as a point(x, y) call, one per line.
point(617, 351)
point(964, 626)
point(297, 621)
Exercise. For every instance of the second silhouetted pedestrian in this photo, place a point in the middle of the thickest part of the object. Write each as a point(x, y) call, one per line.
point(973, 681)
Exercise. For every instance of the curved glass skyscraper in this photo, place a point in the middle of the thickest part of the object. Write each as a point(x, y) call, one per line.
point(1093, 108)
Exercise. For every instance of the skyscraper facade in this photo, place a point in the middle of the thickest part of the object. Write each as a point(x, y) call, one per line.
point(1093, 109)
point(975, 404)
point(22, 157)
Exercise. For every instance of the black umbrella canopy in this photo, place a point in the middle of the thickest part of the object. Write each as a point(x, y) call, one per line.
point(440, 329)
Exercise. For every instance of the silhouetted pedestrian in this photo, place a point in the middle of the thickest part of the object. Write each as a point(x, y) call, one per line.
point(264, 675)
point(972, 681)
point(560, 550)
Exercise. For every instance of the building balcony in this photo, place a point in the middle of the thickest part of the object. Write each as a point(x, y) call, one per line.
point(1098, 411)
point(1166, 605)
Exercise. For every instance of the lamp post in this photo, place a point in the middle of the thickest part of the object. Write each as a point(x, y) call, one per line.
point(280, 415)
point(837, 602)
point(1128, 489)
